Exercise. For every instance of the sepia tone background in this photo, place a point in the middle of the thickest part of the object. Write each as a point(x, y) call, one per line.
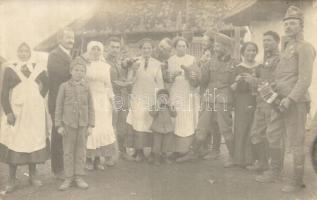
point(37, 22)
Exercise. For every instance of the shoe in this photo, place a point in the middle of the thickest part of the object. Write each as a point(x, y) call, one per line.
point(81, 183)
point(66, 184)
point(229, 163)
point(190, 156)
point(10, 187)
point(110, 162)
point(127, 157)
point(290, 188)
point(213, 155)
point(89, 166)
point(257, 166)
point(139, 157)
point(100, 167)
point(35, 182)
point(268, 177)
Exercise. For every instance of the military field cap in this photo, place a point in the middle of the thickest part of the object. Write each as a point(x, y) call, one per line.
point(220, 38)
point(165, 43)
point(294, 12)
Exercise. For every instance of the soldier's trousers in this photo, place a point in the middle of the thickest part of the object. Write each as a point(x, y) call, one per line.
point(74, 143)
point(217, 119)
point(291, 127)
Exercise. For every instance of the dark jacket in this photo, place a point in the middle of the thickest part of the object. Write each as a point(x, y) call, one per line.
point(58, 72)
point(74, 105)
point(217, 79)
point(162, 119)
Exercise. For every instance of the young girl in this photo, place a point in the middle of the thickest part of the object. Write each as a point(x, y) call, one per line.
point(23, 142)
point(162, 125)
point(74, 119)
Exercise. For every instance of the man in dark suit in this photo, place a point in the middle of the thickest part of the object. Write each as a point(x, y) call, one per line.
point(58, 72)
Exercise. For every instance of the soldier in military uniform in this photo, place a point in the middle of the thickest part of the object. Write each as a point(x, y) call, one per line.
point(264, 73)
point(217, 99)
point(293, 77)
point(118, 72)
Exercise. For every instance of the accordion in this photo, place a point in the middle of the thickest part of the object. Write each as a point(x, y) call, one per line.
point(267, 93)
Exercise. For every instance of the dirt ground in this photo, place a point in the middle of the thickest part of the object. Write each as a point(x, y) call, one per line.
point(201, 180)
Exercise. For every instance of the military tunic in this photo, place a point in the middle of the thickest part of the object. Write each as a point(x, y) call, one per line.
point(218, 97)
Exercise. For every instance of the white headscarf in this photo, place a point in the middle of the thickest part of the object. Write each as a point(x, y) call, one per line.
point(27, 63)
point(92, 44)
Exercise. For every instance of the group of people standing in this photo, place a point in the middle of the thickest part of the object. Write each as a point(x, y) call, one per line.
point(159, 106)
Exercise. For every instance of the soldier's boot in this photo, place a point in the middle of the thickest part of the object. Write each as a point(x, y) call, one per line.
point(157, 158)
point(261, 155)
point(296, 182)
point(275, 169)
point(215, 151)
point(193, 154)
point(229, 162)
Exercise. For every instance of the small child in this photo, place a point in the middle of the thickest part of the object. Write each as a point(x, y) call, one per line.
point(162, 125)
point(74, 119)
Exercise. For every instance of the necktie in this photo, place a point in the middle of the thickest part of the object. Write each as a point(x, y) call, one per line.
point(146, 62)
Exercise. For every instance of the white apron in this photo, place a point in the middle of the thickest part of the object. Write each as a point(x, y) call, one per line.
point(184, 97)
point(98, 76)
point(147, 83)
point(29, 132)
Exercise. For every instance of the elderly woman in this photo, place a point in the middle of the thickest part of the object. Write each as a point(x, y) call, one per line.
point(148, 81)
point(23, 142)
point(102, 141)
point(184, 95)
point(244, 105)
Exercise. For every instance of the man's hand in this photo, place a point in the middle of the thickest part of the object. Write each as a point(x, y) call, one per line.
point(285, 104)
point(61, 131)
point(11, 119)
point(89, 131)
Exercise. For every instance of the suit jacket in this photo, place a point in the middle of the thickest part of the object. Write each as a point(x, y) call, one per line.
point(58, 72)
point(293, 74)
point(74, 105)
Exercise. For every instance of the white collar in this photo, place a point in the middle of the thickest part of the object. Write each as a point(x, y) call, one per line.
point(243, 64)
point(65, 50)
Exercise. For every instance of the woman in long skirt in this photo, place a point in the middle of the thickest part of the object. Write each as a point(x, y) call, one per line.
point(23, 142)
point(102, 141)
point(244, 105)
point(148, 81)
point(185, 97)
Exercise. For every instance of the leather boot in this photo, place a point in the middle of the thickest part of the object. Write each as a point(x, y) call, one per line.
point(229, 162)
point(275, 168)
point(296, 182)
point(261, 155)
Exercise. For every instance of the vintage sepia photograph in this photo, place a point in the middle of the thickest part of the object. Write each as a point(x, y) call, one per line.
point(158, 100)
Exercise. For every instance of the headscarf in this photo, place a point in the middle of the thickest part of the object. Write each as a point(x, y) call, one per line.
point(27, 63)
point(92, 44)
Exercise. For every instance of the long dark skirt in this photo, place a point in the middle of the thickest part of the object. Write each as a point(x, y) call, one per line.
point(244, 112)
point(138, 140)
point(19, 158)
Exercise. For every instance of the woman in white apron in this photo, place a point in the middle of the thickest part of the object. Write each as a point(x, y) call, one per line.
point(24, 126)
point(184, 96)
point(102, 141)
point(148, 81)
